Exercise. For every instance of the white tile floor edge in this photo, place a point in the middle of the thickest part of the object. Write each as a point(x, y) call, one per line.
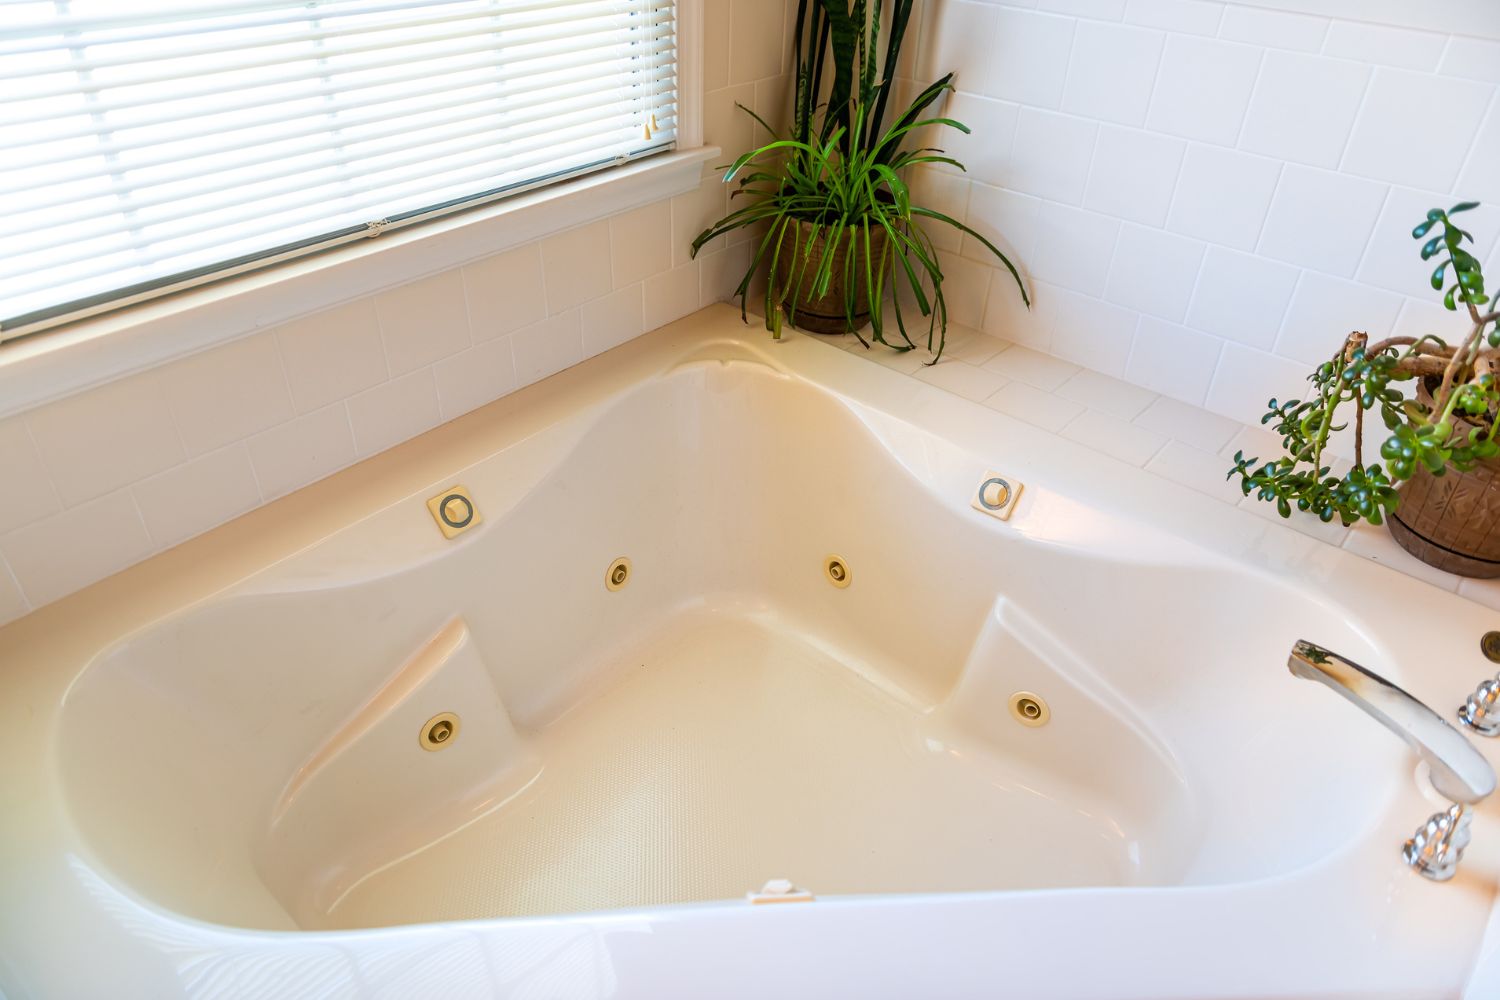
point(1175, 440)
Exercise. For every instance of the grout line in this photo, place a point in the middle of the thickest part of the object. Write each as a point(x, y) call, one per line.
point(1135, 343)
point(1177, 173)
point(1072, 64)
point(1219, 24)
point(157, 375)
point(1260, 231)
point(1359, 265)
point(286, 380)
point(1220, 351)
point(1260, 69)
point(135, 503)
point(353, 438)
point(385, 355)
point(1109, 269)
point(1197, 284)
point(463, 282)
point(36, 449)
point(244, 445)
point(1275, 348)
point(1088, 172)
point(1443, 57)
point(1072, 44)
point(1166, 441)
point(26, 604)
point(1323, 40)
point(1359, 114)
point(1135, 332)
point(1493, 108)
point(1161, 59)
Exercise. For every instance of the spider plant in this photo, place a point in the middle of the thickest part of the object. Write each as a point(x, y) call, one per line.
point(831, 198)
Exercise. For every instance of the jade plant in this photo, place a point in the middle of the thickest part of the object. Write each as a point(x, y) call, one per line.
point(831, 199)
point(1451, 420)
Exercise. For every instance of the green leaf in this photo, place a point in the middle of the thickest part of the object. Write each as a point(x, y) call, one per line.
point(900, 16)
point(1015, 275)
point(845, 44)
point(1437, 276)
point(761, 121)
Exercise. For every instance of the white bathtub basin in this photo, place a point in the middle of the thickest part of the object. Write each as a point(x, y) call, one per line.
point(213, 784)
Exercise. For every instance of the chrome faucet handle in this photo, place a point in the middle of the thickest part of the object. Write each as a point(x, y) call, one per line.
point(1478, 711)
point(1436, 849)
point(1458, 770)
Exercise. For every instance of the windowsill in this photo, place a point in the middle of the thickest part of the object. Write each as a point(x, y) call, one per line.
point(50, 365)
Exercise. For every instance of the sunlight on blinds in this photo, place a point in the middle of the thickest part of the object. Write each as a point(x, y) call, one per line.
point(150, 143)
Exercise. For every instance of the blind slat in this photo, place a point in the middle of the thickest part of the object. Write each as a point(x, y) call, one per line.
point(532, 62)
point(235, 140)
point(363, 156)
point(149, 147)
point(411, 185)
point(584, 65)
point(583, 8)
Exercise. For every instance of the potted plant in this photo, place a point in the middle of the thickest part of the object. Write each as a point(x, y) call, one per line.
point(1440, 485)
point(838, 229)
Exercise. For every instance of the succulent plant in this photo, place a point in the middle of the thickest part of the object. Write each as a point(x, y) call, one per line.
point(1452, 422)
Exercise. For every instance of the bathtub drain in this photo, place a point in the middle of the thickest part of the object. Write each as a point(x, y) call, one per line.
point(1029, 709)
point(439, 731)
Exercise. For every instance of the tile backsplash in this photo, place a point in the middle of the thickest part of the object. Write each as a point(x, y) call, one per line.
point(1206, 197)
point(97, 481)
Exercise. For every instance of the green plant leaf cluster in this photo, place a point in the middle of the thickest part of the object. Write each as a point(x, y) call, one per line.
point(835, 192)
point(1456, 429)
point(1447, 245)
point(1300, 478)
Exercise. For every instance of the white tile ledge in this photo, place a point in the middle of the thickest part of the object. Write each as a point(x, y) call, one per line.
point(51, 365)
point(1175, 440)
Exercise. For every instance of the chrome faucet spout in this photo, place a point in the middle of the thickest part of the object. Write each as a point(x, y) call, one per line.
point(1459, 771)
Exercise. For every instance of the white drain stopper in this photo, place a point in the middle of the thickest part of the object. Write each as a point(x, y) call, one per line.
point(779, 890)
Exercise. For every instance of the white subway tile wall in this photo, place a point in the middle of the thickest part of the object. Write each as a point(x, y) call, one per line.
point(1206, 196)
point(97, 481)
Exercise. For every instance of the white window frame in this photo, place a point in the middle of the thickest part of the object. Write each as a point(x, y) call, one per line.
point(55, 363)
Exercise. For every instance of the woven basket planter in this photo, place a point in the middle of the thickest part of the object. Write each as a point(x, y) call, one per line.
point(1452, 521)
point(825, 313)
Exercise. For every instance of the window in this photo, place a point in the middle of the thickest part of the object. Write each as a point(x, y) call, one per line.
point(159, 144)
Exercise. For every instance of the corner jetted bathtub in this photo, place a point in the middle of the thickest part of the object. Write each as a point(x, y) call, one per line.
point(214, 783)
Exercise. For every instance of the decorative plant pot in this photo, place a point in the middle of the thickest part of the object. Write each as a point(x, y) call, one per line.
point(1452, 521)
point(825, 313)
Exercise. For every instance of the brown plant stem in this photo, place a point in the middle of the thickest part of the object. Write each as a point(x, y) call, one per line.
point(1390, 342)
point(1357, 341)
point(1467, 353)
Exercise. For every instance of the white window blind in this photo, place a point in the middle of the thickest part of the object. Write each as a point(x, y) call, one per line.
point(154, 144)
